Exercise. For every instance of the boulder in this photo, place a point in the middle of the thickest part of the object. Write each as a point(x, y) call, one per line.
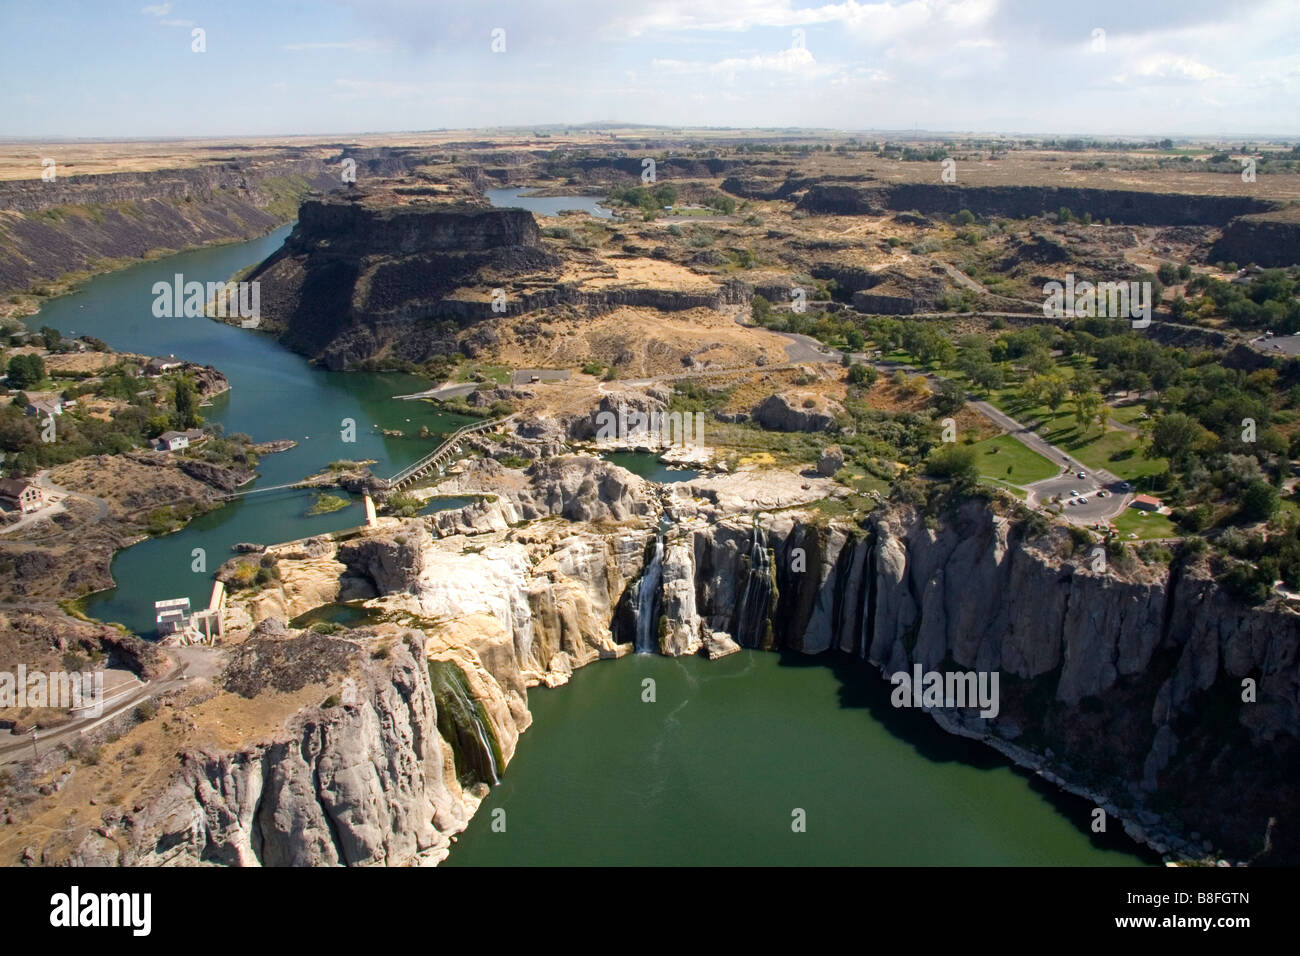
point(831, 461)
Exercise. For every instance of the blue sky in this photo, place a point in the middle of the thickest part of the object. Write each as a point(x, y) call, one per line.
point(111, 69)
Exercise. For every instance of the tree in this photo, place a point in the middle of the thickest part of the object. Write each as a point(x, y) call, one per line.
point(25, 371)
point(863, 374)
point(954, 462)
point(187, 404)
point(1054, 391)
point(949, 397)
point(51, 337)
point(1176, 434)
point(1259, 501)
point(1085, 409)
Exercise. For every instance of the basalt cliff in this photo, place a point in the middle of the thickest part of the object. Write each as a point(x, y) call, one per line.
point(1123, 684)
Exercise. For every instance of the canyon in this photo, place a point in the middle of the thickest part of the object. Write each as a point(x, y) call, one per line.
point(1122, 685)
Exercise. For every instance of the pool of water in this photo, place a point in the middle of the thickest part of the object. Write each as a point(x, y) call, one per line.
point(649, 467)
point(547, 205)
point(717, 769)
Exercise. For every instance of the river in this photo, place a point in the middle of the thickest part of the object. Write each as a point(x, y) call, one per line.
point(274, 394)
point(711, 772)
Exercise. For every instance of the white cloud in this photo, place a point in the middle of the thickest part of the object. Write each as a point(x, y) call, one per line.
point(1170, 66)
point(157, 9)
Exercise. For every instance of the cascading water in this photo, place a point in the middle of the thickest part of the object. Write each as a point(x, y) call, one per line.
point(647, 599)
point(464, 724)
point(756, 602)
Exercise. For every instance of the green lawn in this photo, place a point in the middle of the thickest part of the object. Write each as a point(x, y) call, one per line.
point(493, 373)
point(1006, 459)
point(1117, 451)
point(1144, 524)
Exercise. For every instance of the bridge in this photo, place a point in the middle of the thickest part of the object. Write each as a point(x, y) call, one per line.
point(443, 454)
point(438, 458)
point(229, 495)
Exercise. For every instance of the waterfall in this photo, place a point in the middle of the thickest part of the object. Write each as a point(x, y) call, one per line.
point(487, 749)
point(463, 722)
point(647, 598)
point(756, 601)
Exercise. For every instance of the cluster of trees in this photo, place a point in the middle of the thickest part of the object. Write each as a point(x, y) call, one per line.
point(78, 435)
point(1267, 302)
point(649, 200)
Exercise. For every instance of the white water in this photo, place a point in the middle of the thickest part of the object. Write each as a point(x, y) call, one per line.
point(647, 640)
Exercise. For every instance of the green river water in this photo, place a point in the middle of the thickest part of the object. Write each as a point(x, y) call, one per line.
point(710, 773)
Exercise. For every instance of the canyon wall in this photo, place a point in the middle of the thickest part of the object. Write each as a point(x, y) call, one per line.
point(78, 223)
point(1268, 240)
point(1132, 679)
point(1117, 205)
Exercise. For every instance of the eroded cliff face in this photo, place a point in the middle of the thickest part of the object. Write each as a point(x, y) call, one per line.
point(1129, 680)
point(1124, 684)
point(364, 778)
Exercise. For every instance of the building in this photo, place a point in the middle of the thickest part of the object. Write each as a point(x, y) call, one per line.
point(172, 441)
point(45, 407)
point(1147, 503)
point(172, 615)
point(156, 366)
point(21, 494)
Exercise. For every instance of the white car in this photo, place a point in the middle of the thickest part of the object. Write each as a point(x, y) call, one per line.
point(1073, 493)
point(1083, 475)
point(1083, 501)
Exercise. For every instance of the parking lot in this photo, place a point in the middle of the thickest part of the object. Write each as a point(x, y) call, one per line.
point(1071, 488)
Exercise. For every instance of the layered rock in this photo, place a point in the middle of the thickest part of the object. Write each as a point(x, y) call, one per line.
point(362, 781)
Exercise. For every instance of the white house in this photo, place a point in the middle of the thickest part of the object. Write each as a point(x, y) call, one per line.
point(171, 441)
point(156, 366)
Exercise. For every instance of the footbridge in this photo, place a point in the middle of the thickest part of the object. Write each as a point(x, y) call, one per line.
point(443, 454)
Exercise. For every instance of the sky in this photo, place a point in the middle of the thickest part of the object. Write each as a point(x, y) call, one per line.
point(272, 67)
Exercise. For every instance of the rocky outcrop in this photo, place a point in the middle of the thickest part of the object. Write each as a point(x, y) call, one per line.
point(787, 413)
point(365, 780)
point(1125, 684)
point(830, 461)
point(361, 277)
point(576, 487)
point(1268, 240)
